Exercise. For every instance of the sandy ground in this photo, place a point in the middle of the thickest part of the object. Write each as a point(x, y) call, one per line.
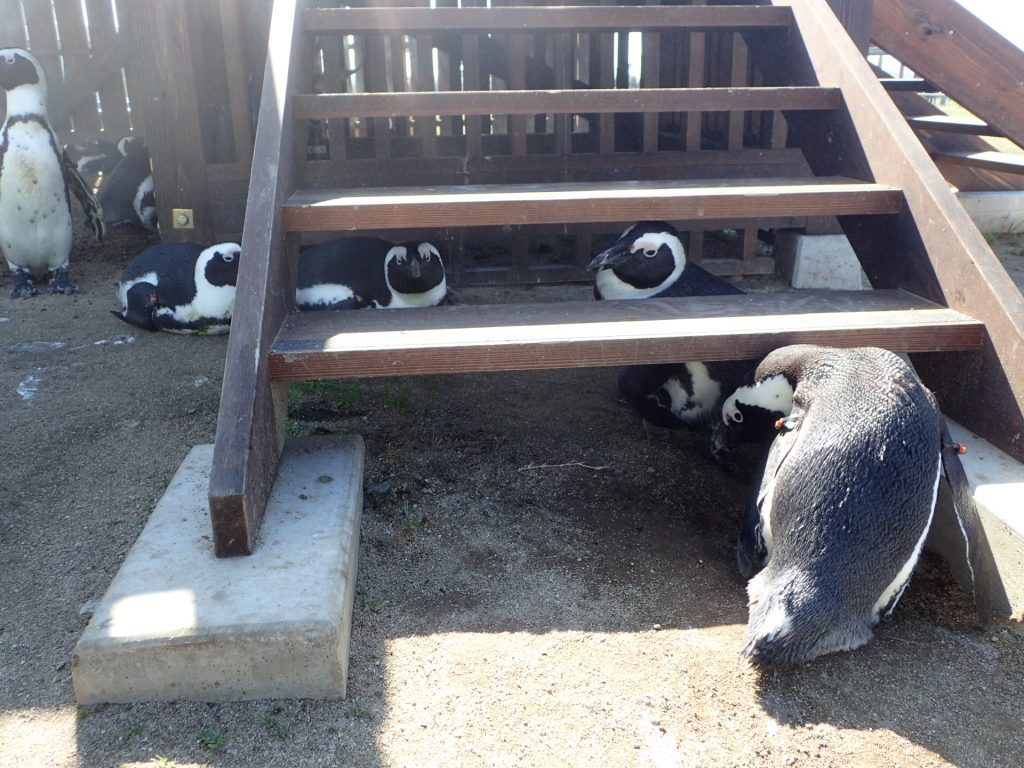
point(543, 581)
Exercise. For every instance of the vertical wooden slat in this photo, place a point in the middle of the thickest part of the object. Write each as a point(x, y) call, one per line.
point(426, 125)
point(376, 81)
point(103, 31)
point(74, 44)
point(651, 78)
point(563, 57)
point(333, 48)
point(238, 85)
point(695, 246)
point(606, 75)
point(738, 78)
point(695, 79)
point(517, 82)
point(171, 115)
point(471, 74)
point(749, 241)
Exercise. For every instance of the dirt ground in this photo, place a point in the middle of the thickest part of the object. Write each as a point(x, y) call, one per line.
point(543, 581)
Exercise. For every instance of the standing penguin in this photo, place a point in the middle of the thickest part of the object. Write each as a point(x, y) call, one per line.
point(36, 175)
point(844, 500)
point(180, 288)
point(357, 272)
point(649, 261)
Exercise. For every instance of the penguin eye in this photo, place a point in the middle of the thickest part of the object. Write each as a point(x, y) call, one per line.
point(737, 417)
point(650, 253)
point(228, 257)
point(9, 58)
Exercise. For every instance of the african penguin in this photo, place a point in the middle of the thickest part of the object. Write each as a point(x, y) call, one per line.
point(180, 288)
point(126, 193)
point(648, 261)
point(357, 272)
point(844, 499)
point(94, 157)
point(36, 177)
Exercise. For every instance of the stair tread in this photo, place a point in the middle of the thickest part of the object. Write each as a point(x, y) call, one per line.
point(950, 124)
point(580, 202)
point(473, 338)
point(578, 100)
point(992, 161)
point(350, 20)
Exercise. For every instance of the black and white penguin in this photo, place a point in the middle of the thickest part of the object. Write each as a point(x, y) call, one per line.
point(357, 272)
point(94, 157)
point(126, 193)
point(649, 261)
point(180, 288)
point(844, 500)
point(36, 179)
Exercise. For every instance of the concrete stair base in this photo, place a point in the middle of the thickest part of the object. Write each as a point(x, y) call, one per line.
point(178, 623)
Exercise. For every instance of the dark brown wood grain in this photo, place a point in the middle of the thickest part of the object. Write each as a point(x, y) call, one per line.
point(964, 57)
point(607, 333)
point(948, 124)
point(250, 425)
point(581, 18)
point(498, 204)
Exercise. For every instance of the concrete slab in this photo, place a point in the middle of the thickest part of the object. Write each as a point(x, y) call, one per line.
point(177, 623)
point(997, 481)
point(998, 212)
point(818, 261)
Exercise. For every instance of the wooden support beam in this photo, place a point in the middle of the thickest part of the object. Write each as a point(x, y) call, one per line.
point(907, 84)
point(941, 254)
point(250, 426)
point(1003, 162)
point(855, 16)
point(967, 59)
point(966, 126)
point(171, 115)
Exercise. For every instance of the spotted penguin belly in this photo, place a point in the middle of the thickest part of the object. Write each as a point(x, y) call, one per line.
point(35, 221)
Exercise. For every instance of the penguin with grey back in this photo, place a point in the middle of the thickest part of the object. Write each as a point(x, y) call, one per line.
point(844, 499)
point(37, 178)
point(357, 272)
point(649, 261)
point(126, 193)
point(180, 288)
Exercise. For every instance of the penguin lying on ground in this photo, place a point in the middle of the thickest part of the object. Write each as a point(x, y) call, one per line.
point(649, 261)
point(36, 175)
point(357, 272)
point(126, 193)
point(844, 500)
point(181, 288)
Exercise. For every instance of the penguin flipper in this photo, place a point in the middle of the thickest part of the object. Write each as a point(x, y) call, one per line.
point(750, 549)
point(82, 192)
point(980, 563)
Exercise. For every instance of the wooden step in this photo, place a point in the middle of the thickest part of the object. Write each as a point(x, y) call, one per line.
point(580, 18)
point(507, 337)
point(969, 126)
point(990, 161)
point(564, 101)
point(625, 201)
point(905, 84)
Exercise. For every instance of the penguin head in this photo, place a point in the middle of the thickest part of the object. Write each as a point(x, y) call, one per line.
point(752, 413)
point(414, 267)
point(22, 76)
point(128, 145)
point(646, 259)
point(220, 263)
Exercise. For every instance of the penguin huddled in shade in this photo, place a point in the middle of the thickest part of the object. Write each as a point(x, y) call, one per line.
point(357, 272)
point(649, 261)
point(94, 157)
point(844, 499)
point(37, 178)
point(180, 288)
point(126, 193)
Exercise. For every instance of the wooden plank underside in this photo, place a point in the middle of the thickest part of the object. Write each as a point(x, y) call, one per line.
point(992, 161)
point(947, 124)
point(619, 18)
point(483, 205)
point(902, 84)
point(598, 100)
point(465, 339)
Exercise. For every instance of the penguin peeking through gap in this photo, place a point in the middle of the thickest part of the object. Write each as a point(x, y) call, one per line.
point(648, 261)
point(37, 178)
point(358, 272)
point(180, 288)
point(844, 499)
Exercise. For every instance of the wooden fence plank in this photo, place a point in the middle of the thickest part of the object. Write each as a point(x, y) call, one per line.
point(103, 32)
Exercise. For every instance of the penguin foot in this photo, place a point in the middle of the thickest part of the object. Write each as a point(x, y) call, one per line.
point(61, 282)
point(23, 288)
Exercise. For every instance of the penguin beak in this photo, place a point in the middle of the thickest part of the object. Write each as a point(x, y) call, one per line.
point(414, 268)
point(617, 254)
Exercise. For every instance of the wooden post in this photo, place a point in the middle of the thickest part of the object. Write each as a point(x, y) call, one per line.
point(856, 16)
point(170, 115)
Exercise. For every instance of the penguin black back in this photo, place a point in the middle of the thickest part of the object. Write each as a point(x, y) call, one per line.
point(347, 273)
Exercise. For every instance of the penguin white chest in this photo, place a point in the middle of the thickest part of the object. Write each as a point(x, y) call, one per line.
point(697, 403)
point(35, 221)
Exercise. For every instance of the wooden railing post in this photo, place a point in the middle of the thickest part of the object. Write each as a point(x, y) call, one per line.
point(856, 16)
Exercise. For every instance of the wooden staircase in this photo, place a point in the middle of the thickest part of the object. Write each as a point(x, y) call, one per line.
point(834, 147)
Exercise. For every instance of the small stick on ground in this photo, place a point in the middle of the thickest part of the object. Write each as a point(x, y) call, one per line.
point(530, 467)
